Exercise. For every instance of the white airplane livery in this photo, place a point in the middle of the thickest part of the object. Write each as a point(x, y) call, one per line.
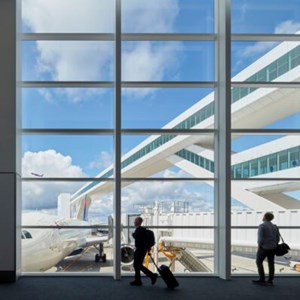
point(43, 248)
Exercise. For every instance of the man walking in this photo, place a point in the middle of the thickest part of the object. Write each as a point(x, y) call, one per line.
point(140, 237)
point(267, 240)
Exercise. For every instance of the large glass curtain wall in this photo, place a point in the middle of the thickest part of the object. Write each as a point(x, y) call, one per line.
point(264, 127)
point(131, 108)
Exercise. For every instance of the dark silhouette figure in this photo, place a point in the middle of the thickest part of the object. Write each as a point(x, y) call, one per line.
point(267, 240)
point(140, 237)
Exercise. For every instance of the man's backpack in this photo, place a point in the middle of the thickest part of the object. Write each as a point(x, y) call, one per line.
point(150, 238)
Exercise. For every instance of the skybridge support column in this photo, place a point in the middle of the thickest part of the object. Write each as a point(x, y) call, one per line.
point(117, 144)
point(10, 183)
point(222, 141)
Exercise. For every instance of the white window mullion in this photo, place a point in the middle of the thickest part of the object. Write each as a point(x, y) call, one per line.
point(117, 145)
point(222, 140)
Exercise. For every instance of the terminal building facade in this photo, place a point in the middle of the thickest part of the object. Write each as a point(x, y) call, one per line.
point(212, 126)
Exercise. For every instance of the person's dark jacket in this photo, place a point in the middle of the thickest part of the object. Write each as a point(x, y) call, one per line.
point(140, 236)
point(268, 235)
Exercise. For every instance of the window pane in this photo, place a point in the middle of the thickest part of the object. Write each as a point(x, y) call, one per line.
point(268, 156)
point(70, 204)
point(67, 61)
point(168, 155)
point(67, 108)
point(265, 195)
point(67, 156)
point(174, 203)
point(177, 196)
point(62, 255)
point(265, 61)
point(255, 16)
point(168, 16)
point(249, 110)
point(43, 197)
point(84, 16)
point(157, 108)
point(185, 250)
point(244, 241)
point(170, 61)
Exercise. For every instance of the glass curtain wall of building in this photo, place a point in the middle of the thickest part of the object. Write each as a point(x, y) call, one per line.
point(117, 121)
point(68, 135)
point(265, 109)
point(121, 110)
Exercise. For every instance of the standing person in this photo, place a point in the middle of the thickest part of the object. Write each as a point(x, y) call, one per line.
point(140, 237)
point(267, 240)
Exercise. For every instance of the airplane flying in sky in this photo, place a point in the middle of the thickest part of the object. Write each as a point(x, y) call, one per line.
point(37, 175)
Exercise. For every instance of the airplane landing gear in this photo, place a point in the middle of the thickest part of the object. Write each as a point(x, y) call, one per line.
point(101, 256)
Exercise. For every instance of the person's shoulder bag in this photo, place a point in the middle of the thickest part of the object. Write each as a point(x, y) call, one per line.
point(282, 248)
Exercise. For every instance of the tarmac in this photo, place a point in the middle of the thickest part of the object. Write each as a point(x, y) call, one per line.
point(85, 263)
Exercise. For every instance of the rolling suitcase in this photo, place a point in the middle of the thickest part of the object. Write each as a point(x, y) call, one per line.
point(166, 274)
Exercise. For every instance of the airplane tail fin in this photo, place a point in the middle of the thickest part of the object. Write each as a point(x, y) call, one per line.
point(83, 209)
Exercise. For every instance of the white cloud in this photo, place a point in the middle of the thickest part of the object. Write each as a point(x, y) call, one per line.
point(91, 61)
point(96, 16)
point(75, 60)
point(145, 194)
point(257, 48)
point(101, 208)
point(149, 16)
point(49, 164)
point(46, 94)
point(262, 47)
point(68, 15)
point(72, 95)
point(104, 160)
point(287, 27)
point(71, 60)
point(167, 193)
point(149, 62)
point(43, 195)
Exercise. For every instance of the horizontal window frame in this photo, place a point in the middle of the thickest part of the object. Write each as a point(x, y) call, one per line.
point(155, 84)
point(154, 37)
point(99, 179)
point(67, 179)
point(105, 226)
point(264, 37)
point(124, 37)
point(151, 227)
point(124, 131)
point(124, 84)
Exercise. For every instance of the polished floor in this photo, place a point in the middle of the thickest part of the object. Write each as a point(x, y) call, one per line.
point(56, 288)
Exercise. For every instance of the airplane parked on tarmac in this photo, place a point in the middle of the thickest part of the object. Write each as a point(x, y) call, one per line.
point(43, 248)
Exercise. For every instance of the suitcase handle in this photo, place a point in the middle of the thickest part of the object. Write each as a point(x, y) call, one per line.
point(149, 254)
point(153, 261)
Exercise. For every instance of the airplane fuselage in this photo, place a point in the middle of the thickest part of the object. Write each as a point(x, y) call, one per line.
point(44, 248)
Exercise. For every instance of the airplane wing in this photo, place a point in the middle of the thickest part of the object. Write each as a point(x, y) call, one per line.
point(85, 242)
point(94, 240)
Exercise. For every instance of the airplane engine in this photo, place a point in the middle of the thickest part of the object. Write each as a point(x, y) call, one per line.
point(127, 254)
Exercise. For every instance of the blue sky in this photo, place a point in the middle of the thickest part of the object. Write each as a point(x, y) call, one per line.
point(148, 61)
